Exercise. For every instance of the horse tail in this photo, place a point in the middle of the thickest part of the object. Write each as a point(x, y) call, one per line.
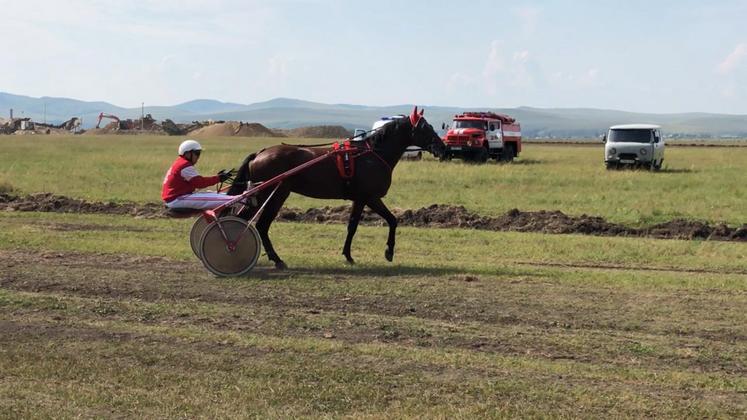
point(242, 176)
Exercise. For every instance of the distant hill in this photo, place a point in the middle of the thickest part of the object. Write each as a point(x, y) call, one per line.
point(209, 106)
point(286, 113)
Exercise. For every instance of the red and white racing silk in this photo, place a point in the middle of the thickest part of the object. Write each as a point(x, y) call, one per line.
point(182, 179)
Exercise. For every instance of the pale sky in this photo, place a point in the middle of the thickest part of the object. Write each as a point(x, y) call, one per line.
point(647, 56)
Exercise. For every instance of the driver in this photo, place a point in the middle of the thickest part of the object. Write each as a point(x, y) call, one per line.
point(182, 180)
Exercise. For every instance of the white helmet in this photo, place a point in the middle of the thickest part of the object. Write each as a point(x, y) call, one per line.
point(188, 146)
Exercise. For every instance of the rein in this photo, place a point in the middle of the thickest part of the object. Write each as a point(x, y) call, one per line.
point(362, 139)
point(353, 139)
point(308, 145)
point(370, 149)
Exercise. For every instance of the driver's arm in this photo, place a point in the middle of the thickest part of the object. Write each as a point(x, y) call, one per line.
point(196, 180)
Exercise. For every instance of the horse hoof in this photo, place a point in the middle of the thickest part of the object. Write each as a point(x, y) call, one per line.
point(350, 260)
point(389, 255)
point(280, 265)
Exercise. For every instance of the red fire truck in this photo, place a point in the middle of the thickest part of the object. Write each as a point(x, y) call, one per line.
point(481, 135)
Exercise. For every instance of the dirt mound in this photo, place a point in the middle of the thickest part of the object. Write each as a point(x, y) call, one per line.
point(434, 216)
point(111, 128)
point(43, 130)
point(145, 125)
point(234, 128)
point(444, 216)
point(320, 132)
point(555, 222)
point(46, 202)
point(693, 229)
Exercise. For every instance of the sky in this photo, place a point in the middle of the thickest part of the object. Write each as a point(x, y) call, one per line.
point(661, 56)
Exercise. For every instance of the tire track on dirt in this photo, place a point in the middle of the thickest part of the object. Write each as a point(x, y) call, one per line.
point(55, 322)
point(122, 277)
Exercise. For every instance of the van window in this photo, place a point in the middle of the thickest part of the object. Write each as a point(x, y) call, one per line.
point(630, 136)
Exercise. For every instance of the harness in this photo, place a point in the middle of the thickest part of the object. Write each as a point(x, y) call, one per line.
point(347, 151)
point(345, 158)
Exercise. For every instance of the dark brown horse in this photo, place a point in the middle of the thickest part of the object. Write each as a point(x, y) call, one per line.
point(370, 182)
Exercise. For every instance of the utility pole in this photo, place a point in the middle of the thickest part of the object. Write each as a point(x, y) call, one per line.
point(142, 116)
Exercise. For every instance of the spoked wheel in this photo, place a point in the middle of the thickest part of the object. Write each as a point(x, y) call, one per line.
point(234, 256)
point(198, 228)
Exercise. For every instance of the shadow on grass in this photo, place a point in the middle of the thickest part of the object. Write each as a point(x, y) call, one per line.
point(493, 162)
point(267, 272)
point(676, 171)
point(527, 162)
point(660, 171)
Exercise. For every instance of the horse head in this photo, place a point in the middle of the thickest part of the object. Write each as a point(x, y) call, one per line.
point(423, 135)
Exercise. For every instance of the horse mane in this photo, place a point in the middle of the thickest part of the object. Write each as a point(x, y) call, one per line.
point(377, 138)
point(242, 176)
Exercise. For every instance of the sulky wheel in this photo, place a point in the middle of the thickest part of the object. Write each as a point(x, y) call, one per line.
point(198, 227)
point(235, 257)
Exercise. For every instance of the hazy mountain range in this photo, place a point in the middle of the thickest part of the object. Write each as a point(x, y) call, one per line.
point(292, 113)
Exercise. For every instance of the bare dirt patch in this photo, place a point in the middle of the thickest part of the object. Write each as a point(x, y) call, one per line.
point(433, 216)
point(463, 311)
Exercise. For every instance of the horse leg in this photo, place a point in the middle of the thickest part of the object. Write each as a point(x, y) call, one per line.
point(355, 217)
point(380, 208)
point(265, 220)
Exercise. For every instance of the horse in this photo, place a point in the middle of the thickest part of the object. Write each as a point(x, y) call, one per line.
point(366, 187)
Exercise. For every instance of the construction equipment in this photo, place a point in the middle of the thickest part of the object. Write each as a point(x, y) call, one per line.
point(73, 124)
point(109, 116)
point(127, 124)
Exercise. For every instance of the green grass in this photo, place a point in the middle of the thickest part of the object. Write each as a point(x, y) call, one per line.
point(696, 183)
point(476, 251)
point(107, 316)
point(112, 316)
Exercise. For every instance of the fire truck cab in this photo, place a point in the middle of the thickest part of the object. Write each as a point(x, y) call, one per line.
point(478, 136)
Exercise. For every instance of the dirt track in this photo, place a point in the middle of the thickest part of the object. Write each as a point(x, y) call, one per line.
point(434, 216)
point(109, 279)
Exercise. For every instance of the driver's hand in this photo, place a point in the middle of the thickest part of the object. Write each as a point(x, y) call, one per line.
point(224, 174)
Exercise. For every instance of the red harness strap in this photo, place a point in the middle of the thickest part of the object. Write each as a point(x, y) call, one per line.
point(344, 156)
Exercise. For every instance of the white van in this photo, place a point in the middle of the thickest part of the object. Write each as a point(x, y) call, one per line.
point(634, 145)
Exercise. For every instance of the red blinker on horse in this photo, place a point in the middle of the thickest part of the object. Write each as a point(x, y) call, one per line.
point(366, 186)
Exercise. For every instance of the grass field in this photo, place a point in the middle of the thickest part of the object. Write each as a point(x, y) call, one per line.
point(112, 316)
point(696, 183)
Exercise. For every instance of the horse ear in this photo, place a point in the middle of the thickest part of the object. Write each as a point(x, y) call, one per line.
point(421, 112)
point(415, 117)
